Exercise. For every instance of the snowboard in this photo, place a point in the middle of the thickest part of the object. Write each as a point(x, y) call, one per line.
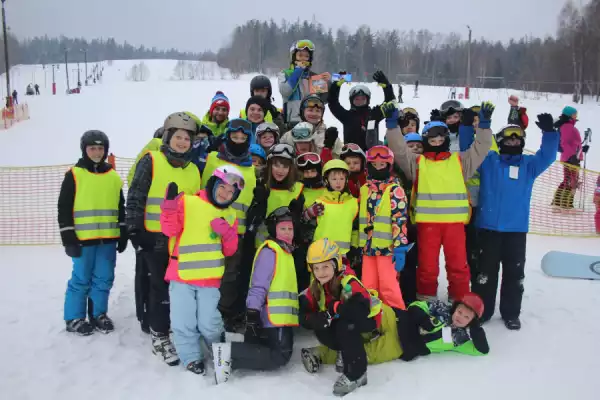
point(571, 265)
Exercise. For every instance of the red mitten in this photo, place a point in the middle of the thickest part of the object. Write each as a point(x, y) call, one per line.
point(220, 226)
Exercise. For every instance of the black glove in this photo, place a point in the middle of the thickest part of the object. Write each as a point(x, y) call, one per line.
point(368, 229)
point(261, 194)
point(585, 148)
point(545, 122)
point(574, 160)
point(172, 191)
point(380, 78)
point(468, 117)
point(123, 238)
point(331, 135)
point(205, 129)
point(320, 320)
point(142, 239)
point(296, 207)
point(253, 325)
point(561, 120)
point(71, 243)
point(436, 115)
point(73, 251)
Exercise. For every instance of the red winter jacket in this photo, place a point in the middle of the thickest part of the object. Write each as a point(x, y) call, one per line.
point(356, 182)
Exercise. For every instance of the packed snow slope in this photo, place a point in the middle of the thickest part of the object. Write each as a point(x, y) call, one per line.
point(554, 356)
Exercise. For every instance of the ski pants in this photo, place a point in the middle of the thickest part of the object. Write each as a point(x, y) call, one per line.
point(142, 288)
point(472, 245)
point(92, 277)
point(244, 272)
point(431, 237)
point(158, 295)
point(408, 276)
point(507, 248)
point(346, 336)
point(379, 273)
point(565, 194)
point(229, 283)
point(194, 317)
point(273, 352)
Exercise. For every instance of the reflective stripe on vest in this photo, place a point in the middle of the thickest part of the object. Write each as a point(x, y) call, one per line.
point(245, 199)
point(282, 298)
point(381, 235)
point(441, 193)
point(277, 198)
point(336, 221)
point(375, 303)
point(200, 253)
point(163, 173)
point(96, 205)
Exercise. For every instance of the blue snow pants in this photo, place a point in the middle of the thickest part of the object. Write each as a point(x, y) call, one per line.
point(93, 276)
point(194, 316)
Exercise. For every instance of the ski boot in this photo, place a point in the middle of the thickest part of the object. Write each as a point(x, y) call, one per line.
point(102, 323)
point(339, 363)
point(197, 367)
point(344, 385)
point(311, 359)
point(222, 361)
point(161, 344)
point(513, 324)
point(80, 326)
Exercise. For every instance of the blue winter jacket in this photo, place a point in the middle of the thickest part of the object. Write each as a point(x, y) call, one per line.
point(504, 202)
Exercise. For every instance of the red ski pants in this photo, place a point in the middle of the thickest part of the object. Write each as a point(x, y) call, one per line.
point(378, 273)
point(430, 238)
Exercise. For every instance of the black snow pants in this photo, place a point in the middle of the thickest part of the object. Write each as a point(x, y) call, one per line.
point(472, 246)
point(408, 276)
point(273, 351)
point(507, 248)
point(142, 290)
point(228, 303)
point(158, 295)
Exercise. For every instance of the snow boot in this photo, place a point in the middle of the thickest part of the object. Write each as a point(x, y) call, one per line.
point(197, 367)
point(222, 361)
point(80, 326)
point(513, 324)
point(312, 360)
point(161, 344)
point(102, 323)
point(339, 363)
point(344, 385)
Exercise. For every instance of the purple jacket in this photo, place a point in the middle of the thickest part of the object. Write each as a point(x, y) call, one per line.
point(570, 141)
point(264, 268)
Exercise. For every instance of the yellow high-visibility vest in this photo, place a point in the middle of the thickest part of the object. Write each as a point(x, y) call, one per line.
point(382, 220)
point(311, 195)
point(277, 198)
point(96, 206)
point(243, 202)
point(200, 251)
point(336, 221)
point(163, 173)
point(441, 196)
point(375, 306)
point(282, 299)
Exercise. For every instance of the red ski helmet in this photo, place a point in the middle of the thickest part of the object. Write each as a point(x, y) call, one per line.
point(474, 302)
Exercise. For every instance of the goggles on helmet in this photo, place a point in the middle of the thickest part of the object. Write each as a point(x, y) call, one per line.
point(281, 150)
point(267, 127)
point(360, 90)
point(352, 148)
point(410, 110)
point(239, 124)
point(230, 179)
point(301, 133)
point(380, 152)
point(511, 131)
point(314, 103)
point(308, 158)
point(304, 44)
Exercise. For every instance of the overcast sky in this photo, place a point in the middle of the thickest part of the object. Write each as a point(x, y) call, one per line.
point(206, 24)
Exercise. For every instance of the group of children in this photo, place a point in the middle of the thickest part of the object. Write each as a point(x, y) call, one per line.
point(238, 227)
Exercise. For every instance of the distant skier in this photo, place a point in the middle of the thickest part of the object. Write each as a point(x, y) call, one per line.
point(37, 89)
point(15, 96)
point(416, 88)
point(453, 92)
point(400, 93)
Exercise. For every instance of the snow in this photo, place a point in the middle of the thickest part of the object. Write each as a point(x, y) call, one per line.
point(554, 356)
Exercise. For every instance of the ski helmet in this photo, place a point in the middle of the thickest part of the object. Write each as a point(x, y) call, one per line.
point(474, 302)
point(261, 82)
point(413, 137)
point(266, 127)
point(311, 101)
point(281, 150)
point(335, 165)
point(353, 150)
point(303, 132)
point(360, 90)
point(303, 44)
point(278, 215)
point(436, 128)
point(94, 138)
point(180, 120)
point(257, 150)
point(451, 107)
point(227, 174)
point(323, 250)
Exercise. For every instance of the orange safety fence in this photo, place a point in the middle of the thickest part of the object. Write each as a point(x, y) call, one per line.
point(28, 206)
point(13, 115)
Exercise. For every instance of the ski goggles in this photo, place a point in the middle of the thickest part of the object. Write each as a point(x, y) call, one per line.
point(308, 158)
point(351, 149)
point(266, 127)
point(314, 103)
point(410, 110)
point(511, 131)
point(435, 131)
point(281, 150)
point(301, 134)
point(451, 105)
point(239, 124)
point(360, 90)
point(380, 152)
point(304, 44)
point(230, 179)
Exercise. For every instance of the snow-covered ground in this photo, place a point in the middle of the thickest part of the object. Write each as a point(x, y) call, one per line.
point(554, 356)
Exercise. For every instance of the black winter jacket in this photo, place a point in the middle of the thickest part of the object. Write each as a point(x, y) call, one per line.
point(66, 200)
point(355, 120)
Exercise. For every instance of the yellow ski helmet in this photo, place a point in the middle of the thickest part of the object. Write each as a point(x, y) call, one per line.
point(335, 164)
point(324, 250)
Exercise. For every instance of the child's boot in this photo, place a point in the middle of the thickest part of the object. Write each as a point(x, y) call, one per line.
point(311, 359)
point(102, 323)
point(344, 385)
point(222, 361)
point(197, 367)
point(80, 326)
point(513, 324)
point(161, 344)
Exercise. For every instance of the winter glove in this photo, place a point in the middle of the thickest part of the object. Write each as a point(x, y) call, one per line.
point(562, 120)
point(256, 215)
point(122, 245)
point(253, 326)
point(261, 194)
point(142, 239)
point(320, 320)
point(545, 122)
point(172, 191)
point(331, 135)
point(205, 129)
point(468, 117)
point(368, 229)
point(585, 148)
point(574, 160)
point(71, 243)
point(391, 113)
point(220, 226)
point(314, 211)
point(478, 337)
point(485, 115)
point(436, 115)
point(381, 79)
point(400, 257)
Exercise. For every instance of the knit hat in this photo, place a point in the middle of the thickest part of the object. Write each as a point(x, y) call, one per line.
point(219, 100)
point(263, 103)
point(569, 111)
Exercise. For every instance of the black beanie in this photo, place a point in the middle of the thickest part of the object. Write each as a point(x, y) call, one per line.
point(257, 100)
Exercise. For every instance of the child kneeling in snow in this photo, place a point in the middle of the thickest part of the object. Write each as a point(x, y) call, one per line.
point(435, 327)
point(272, 305)
point(203, 231)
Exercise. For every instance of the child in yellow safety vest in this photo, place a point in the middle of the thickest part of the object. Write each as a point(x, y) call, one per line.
point(383, 227)
point(272, 305)
point(203, 231)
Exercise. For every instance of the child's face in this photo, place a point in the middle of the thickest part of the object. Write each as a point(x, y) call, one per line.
point(453, 119)
point(95, 153)
point(224, 193)
point(337, 180)
point(180, 141)
point(354, 163)
point(359, 101)
point(411, 127)
point(266, 140)
point(238, 137)
point(303, 147)
point(311, 173)
point(262, 92)
point(462, 316)
point(476, 121)
point(380, 165)
point(415, 147)
point(285, 231)
point(511, 141)
point(302, 57)
point(323, 271)
point(279, 171)
point(256, 114)
point(436, 141)
point(314, 115)
point(220, 114)
point(257, 161)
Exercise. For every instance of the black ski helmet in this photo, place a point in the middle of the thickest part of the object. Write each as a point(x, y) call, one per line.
point(94, 138)
point(261, 82)
point(451, 107)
